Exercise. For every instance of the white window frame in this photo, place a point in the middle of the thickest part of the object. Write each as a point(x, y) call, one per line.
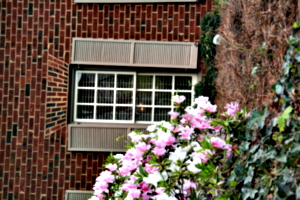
point(131, 1)
point(135, 90)
point(95, 88)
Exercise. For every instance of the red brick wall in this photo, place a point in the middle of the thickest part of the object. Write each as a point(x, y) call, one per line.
point(35, 49)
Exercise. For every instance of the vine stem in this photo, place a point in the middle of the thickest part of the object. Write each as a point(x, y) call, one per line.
point(248, 50)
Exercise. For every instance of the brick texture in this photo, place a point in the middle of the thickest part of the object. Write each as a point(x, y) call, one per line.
point(35, 50)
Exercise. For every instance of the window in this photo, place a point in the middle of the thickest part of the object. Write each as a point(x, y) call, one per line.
point(128, 97)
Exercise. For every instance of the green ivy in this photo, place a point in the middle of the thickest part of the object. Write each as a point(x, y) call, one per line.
point(209, 24)
point(268, 166)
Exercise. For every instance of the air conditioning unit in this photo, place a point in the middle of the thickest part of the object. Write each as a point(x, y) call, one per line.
point(78, 195)
point(101, 137)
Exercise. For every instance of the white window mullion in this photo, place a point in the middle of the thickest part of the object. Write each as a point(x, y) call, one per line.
point(153, 97)
point(115, 96)
point(95, 96)
point(134, 90)
point(173, 92)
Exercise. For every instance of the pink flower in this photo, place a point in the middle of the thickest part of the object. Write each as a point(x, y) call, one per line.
point(178, 99)
point(142, 146)
point(144, 186)
point(173, 114)
point(175, 129)
point(101, 186)
point(106, 176)
point(150, 169)
point(204, 155)
point(218, 143)
point(201, 99)
point(228, 148)
point(186, 132)
point(159, 151)
point(232, 108)
point(111, 167)
point(134, 153)
point(134, 193)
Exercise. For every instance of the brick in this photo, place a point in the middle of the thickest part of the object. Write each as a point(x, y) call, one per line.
point(36, 40)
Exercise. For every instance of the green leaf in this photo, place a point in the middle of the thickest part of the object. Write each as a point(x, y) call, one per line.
point(257, 119)
point(244, 146)
point(250, 174)
point(283, 117)
point(239, 173)
point(296, 148)
point(138, 181)
point(296, 25)
point(248, 192)
point(282, 157)
point(142, 171)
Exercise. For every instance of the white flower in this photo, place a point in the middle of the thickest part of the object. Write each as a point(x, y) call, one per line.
point(178, 154)
point(94, 198)
point(156, 177)
point(118, 156)
point(192, 167)
point(173, 167)
point(196, 146)
point(164, 196)
point(152, 128)
point(217, 39)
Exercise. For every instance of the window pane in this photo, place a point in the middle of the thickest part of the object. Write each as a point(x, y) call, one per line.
point(188, 97)
point(143, 114)
point(105, 96)
point(144, 98)
point(161, 114)
point(123, 113)
point(104, 112)
point(183, 83)
point(85, 112)
point(124, 81)
point(144, 82)
point(163, 82)
point(86, 80)
point(106, 80)
point(124, 97)
point(162, 98)
point(85, 96)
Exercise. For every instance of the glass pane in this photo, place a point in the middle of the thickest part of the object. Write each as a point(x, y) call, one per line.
point(123, 113)
point(85, 112)
point(144, 82)
point(183, 83)
point(106, 80)
point(163, 82)
point(124, 81)
point(85, 96)
point(105, 96)
point(124, 97)
point(161, 114)
point(144, 98)
point(143, 114)
point(162, 98)
point(104, 112)
point(188, 97)
point(86, 80)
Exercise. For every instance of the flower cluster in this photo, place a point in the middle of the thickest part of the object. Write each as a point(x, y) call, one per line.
point(174, 160)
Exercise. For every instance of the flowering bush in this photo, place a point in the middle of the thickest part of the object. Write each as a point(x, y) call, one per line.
point(181, 159)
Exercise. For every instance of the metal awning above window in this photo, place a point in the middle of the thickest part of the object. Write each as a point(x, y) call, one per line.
point(135, 53)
